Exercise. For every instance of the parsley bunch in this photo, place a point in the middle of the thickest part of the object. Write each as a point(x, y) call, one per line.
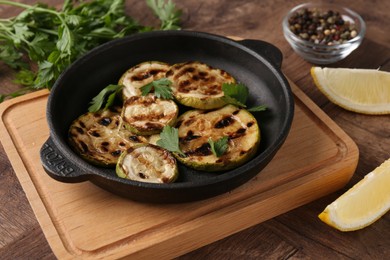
point(52, 39)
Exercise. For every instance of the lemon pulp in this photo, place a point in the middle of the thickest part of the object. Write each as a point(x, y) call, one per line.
point(363, 204)
point(360, 90)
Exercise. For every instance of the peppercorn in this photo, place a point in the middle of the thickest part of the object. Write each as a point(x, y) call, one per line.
point(321, 27)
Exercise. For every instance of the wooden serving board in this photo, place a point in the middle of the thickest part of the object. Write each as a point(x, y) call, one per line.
point(83, 221)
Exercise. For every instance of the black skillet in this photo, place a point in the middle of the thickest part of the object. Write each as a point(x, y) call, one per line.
point(252, 62)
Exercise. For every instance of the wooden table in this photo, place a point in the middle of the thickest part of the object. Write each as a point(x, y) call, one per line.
point(296, 234)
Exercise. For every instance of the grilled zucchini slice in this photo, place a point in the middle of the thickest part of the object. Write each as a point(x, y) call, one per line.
point(198, 85)
point(100, 137)
point(140, 75)
point(195, 127)
point(147, 163)
point(147, 115)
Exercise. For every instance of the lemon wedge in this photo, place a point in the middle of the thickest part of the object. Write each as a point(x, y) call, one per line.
point(363, 204)
point(364, 91)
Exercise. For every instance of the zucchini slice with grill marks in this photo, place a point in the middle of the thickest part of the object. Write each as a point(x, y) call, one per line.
point(100, 137)
point(195, 127)
point(198, 85)
point(140, 75)
point(147, 163)
point(147, 115)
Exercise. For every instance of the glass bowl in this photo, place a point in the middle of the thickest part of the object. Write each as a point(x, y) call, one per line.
point(324, 53)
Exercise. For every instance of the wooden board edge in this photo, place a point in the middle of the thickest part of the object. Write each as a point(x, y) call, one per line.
point(328, 122)
point(19, 168)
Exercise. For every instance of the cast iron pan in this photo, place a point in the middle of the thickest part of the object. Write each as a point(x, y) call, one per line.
point(254, 63)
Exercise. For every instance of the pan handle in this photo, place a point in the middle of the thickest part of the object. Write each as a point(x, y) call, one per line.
point(58, 166)
point(265, 49)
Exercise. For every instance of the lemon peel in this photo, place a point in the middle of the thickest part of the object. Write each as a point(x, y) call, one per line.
point(363, 204)
point(365, 91)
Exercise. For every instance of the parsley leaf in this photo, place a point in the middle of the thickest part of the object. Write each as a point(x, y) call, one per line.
point(25, 77)
point(239, 92)
point(233, 101)
point(162, 88)
point(219, 147)
point(170, 140)
point(47, 72)
point(66, 40)
point(111, 91)
point(167, 13)
point(146, 89)
point(12, 57)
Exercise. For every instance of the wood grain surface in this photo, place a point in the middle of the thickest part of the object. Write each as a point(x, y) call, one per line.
point(296, 234)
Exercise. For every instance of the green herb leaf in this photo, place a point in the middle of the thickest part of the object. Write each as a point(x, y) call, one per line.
point(65, 41)
point(97, 102)
point(21, 33)
point(11, 56)
point(73, 20)
point(233, 101)
point(46, 73)
point(257, 108)
point(146, 89)
point(162, 88)
point(39, 47)
point(239, 91)
point(25, 77)
point(235, 94)
point(168, 14)
point(219, 147)
point(170, 140)
point(110, 99)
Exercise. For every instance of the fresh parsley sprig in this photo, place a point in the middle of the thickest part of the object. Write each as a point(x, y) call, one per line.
point(105, 97)
point(220, 146)
point(161, 87)
point(170, 140)
point(237, 94)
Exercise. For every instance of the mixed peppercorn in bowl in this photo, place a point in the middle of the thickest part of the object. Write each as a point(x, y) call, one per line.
point(323, 33)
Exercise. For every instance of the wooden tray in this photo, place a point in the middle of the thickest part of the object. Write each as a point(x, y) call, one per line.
point(83, 221)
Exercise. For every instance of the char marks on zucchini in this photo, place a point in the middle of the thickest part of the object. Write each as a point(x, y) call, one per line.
point(196, 128)
point(147, 115)
point(147, 163)
point(100, 137)
point(198, 85)
point(140, 75)
point(214, 137)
